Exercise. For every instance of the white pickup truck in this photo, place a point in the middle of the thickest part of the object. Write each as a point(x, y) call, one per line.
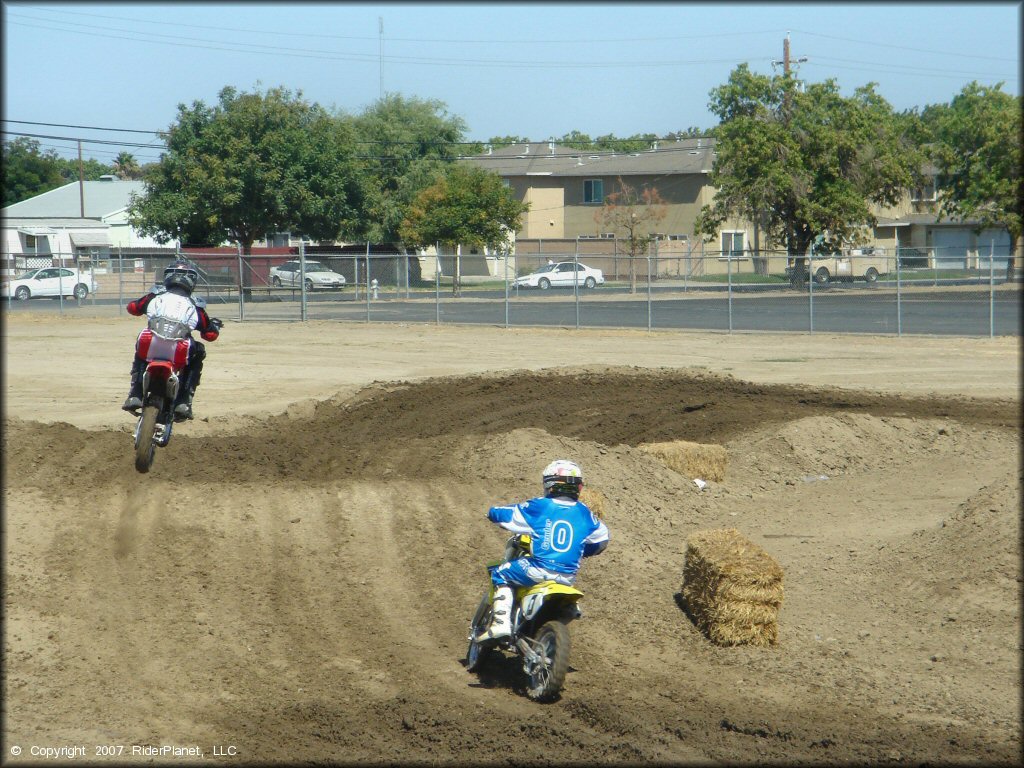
point(858, 264)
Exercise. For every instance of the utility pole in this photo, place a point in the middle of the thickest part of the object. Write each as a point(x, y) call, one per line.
point(380, 30)
point(786, 61)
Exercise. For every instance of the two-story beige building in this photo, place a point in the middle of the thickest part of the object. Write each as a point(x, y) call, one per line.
point(565, 187)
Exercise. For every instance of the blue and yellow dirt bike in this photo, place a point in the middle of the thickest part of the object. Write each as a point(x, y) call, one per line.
point(540, 629)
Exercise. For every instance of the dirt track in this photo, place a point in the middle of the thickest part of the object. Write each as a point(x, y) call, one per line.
point(305, 594)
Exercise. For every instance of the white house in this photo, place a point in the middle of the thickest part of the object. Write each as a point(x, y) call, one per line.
point(79, 222)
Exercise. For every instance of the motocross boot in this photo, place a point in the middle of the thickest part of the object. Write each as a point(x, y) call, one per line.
point(183, 409)
point(134, 401)
point(501, 620)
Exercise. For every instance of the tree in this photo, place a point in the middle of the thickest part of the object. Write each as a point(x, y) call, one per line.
point(89, 169)
point(408, 141)
point(252, 164)
point(126, 167)
point(806, 165)
point(465, 205)
point(27, 171)
point(977, 148)
point(632, 212)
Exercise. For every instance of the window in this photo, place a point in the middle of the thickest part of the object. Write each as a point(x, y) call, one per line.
point(732, 244)
point(593, 191)
point(30, 241)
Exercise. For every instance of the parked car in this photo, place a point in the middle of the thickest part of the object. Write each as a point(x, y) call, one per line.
point(866, 264)
point(317, 276)
point(49, 281)
point(564, 274)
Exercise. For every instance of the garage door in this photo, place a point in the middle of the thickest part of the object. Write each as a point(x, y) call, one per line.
point(951, 247)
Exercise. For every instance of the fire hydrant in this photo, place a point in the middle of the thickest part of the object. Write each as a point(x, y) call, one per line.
point(373, 287)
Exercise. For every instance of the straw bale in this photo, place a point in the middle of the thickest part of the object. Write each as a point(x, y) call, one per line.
point(732, 588)
point(696, 460)
point(595, 500)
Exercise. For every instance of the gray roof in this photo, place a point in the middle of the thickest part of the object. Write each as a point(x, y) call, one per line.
point(102, 198)
point(47, 224)
point(544, 159)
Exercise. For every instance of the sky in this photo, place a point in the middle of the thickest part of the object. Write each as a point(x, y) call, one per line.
point(535, 70)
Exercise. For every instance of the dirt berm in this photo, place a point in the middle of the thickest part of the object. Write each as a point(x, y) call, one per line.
point(293, 580)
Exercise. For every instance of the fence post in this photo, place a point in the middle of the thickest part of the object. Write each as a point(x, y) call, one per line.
point(504, 270)
point(241, 293)
point(810, 287)
point(991, 288)
point(728, 281)
point(649, 287)
point(437, 283)
point(576, 279)
point(899, 306)
point(120, 281)
point(367, 281)
point(60, 282)
point(303, 306)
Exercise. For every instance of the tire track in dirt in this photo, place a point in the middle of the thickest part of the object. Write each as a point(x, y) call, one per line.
point(303, 588)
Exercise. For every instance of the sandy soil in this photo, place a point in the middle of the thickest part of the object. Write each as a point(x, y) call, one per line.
point(294, 579)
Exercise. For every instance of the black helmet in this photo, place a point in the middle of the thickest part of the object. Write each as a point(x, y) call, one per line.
point(181, 274)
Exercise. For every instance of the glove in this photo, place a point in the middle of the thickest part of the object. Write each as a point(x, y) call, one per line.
point(216, 323)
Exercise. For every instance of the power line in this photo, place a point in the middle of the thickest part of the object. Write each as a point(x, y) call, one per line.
point(86, 127)
point(308, 53)
point(457, 41)
point(945, 53)
point(75, 138)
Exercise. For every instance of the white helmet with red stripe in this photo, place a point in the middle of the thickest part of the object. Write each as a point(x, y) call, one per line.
point(563, 478)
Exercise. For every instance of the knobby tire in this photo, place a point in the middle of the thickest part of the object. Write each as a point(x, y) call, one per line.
point(546, 686)
point(145, 448)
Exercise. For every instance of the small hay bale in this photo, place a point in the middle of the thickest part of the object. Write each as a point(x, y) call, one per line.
point(694, 460)
point(595, 500)
point(732, 588)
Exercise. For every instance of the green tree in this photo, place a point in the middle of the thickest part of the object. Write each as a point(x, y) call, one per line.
point(977, 149)
point(27, 171)
point(632, 213)
point(407, 142)
point(576, 140)
point(89, 169)
point(126, 166)
point(806, 165)
point(254, 163)
point(465, 205)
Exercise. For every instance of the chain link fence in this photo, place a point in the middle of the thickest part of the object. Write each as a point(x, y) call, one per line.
point(672, 285)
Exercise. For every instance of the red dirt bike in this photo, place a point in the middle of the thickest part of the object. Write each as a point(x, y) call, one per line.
point(540, 632)
point(165, 345)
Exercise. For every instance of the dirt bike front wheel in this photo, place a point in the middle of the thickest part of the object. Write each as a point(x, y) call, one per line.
point(477, 653)
point(547, 675)
point(145, 448)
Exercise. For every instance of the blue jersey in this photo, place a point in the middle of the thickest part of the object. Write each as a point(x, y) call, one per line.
point(563, 530)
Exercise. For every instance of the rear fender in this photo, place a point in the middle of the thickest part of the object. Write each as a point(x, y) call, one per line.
point(549, 596)
point(160, 378)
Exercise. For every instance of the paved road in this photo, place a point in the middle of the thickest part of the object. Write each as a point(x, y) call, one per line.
point(961, 311)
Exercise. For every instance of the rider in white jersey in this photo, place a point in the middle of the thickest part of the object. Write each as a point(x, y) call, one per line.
point(174, 301)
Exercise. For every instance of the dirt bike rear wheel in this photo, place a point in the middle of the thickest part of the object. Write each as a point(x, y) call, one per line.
point(145, 448)
point(547, 677)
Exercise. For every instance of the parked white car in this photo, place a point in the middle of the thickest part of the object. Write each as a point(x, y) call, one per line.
point(317, 276)
point(49, 281)
point(562, 274)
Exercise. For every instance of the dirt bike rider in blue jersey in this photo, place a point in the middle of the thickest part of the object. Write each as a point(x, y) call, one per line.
point(174, 300)
point(563, 531)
